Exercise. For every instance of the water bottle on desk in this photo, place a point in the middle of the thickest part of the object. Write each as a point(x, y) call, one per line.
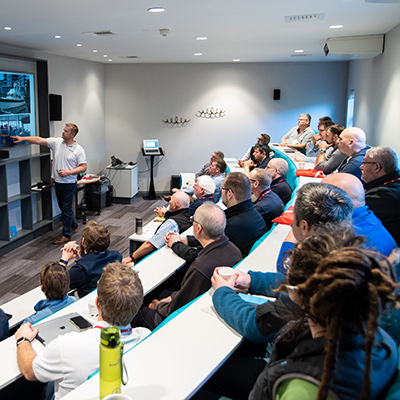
point(111, 363)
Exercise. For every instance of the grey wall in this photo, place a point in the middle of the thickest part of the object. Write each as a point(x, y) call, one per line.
point(139, 97)
point(377, 93)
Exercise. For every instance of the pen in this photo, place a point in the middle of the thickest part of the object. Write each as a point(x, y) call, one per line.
point(41, 340)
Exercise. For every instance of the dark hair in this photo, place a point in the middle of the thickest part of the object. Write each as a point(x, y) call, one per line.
point(341, 286)
point(326, 124)
point(321, 203)
point(325, 119)
point(120, 294)
point(260, 148)
point(221, 164)
point(240, 185)
point(97, 238)
point(336, 129)
point(54, 279)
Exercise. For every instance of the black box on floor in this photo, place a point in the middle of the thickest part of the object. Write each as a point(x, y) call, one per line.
point(96, 195)
point(175, 181)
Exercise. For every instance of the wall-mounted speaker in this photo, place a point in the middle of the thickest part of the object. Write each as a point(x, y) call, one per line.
point(55, 107)
point(277, 94)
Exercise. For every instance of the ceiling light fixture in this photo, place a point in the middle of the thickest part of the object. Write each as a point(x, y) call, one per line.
point(156, 9)
point(201, 38)
point(105, 55)
point(79, 45)
point(236, 60)
point(299, 51)
point(198, 54)
point(57, 37)
point(335, 26)
point(304, 17)
point(94, 51)
point(7, 28)
point(109, 59)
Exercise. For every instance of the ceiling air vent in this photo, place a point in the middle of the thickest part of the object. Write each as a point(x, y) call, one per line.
point(129, 57)
point(300, 55)
point(101, 33)
point(304, 17)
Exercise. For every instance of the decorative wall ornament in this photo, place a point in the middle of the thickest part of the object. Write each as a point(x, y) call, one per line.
point(177, 122)
point(211, 114)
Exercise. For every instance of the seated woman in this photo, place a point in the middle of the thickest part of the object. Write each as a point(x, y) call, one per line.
point(54, 282)
point(92, 256)
point(338, 344)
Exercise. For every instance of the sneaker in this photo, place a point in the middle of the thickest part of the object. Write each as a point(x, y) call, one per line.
point(62, 240)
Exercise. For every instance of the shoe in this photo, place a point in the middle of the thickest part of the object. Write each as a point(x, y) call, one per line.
point(61, 240)
point(74, 228)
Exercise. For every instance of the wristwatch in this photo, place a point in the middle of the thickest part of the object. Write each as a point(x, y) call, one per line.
point(22, 339)
point(322, 150)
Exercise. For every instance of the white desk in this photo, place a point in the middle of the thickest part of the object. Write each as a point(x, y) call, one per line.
point(147, 232)
point(124, 180)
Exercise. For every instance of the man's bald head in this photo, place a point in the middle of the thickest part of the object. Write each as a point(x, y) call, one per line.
point(352, 140)
point(212, 219)
point(350, 184)
point(280, 165)
point(179, 200)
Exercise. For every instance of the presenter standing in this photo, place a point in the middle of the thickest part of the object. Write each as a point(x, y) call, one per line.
point(69, 160)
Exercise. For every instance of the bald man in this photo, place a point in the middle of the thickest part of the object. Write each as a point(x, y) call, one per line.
point(278, 167)
point(352, 142)
point(365, 222)
point(177, 219)
point(208, 227)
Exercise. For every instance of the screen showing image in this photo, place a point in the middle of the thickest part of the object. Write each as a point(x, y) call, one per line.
point(150, 144)
point(17, 106)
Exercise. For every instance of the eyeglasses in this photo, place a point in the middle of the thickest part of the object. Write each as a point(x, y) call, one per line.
point(253, 180)
point(194, 221)
point(51, 265)
point(369, 162)
point(291, 288)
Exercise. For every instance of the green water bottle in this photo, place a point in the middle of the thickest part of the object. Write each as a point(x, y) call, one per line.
point(111, 350)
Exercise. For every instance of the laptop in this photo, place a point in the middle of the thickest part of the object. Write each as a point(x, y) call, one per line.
point(150, 147)
point(49, 330)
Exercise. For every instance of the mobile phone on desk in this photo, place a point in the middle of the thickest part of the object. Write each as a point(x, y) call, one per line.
point(81, 323)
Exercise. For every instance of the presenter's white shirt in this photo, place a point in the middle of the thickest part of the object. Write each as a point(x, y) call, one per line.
point(71, 358)
point(65, 157)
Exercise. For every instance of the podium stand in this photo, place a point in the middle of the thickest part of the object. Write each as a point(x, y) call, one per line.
point(152, 193)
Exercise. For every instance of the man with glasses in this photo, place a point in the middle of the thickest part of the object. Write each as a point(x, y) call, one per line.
point(208, 227)
point(299, 136)
point(262, 139)
point(261, 159)
point(381, 176)
point(267, 203)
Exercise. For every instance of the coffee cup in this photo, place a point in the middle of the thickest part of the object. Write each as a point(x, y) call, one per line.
point(226, 272)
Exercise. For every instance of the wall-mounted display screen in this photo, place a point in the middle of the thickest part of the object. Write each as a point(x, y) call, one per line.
point(17, 106)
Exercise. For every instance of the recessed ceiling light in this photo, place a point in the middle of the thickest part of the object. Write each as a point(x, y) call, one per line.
point(201, 38)
point(156, 9)
point(198, 54)
point(109, 59)
point(94, 51)
point(299, 51)
point(105, 55)
point(79, 45)
point(335, 26)
point(57, 37)
point(236, 60)
point(7, 28)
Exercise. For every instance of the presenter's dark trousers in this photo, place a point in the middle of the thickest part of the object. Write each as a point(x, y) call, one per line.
point(65, 193)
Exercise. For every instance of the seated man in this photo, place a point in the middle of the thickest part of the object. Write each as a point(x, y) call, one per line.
point(278, 168)
point(71, 358)
point(54, 283)
point(91, 256)
point(217, 155)
point(381, 176)
point(365, 223)
point(204, 189)
point(312, 148)
point(261, 159)
point(177, 219)
point(264, 140)
point(208, 227)
point(268, 203)
point(326, 161)
point(352, 142)
point(299, 136)
point(244, 225)
point(217, 173)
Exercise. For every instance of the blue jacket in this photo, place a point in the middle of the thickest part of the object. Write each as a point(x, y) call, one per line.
point(351, 165)
point(47, 307)
point(3, 325)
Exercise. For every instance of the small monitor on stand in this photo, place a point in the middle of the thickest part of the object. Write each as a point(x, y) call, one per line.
point(151, 147)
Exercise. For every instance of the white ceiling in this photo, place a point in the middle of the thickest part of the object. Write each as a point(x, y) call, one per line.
point(252, 30)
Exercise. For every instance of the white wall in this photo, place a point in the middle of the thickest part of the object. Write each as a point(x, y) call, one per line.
point(377, 93)
point(139, 97)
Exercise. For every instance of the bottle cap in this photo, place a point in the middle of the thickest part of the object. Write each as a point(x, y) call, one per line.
point(110, 337)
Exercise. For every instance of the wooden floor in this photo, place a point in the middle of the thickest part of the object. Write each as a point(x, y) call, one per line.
point(19, 269)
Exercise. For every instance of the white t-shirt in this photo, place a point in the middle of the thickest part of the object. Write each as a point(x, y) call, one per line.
point(65, 157)
point(71, 358)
